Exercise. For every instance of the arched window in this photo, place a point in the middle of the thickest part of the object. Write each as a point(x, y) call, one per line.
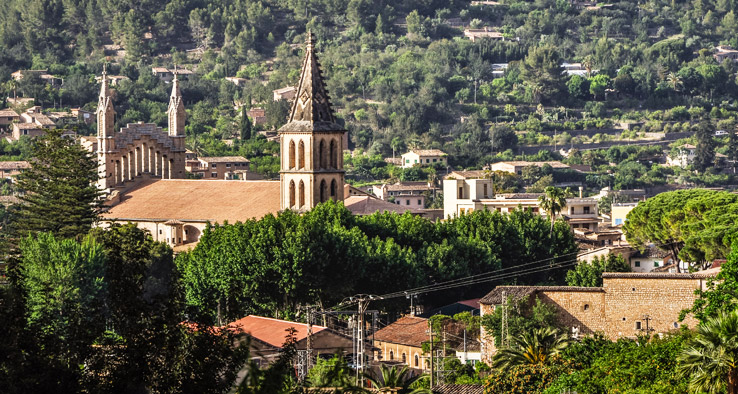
point(321, 155)
point(292, 194)
point(417, 360)
point(392, 355)
point(302, 194)
point(333, 189)
point(323, 190)
point(334, 154)
point(301, 155)
point(404, 358)
point(292, 154)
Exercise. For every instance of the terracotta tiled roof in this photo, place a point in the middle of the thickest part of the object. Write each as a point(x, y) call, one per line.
point(8, 113)
point(428, 152)
point(14, 165)
point(408, 330)
point(458, 389)
point(656, 275)
point(367, 205)
point(554, 164)
point(271, 331)
point(224, 159)
point(27, 126)
point(412, 186)
point(494, 297)
point(184, 199)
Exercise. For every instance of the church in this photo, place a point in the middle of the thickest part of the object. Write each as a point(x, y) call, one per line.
point(142, 168)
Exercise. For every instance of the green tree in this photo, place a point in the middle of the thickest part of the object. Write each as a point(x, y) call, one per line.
point(710, 359)
point(721, 292)
point(598, 84)
point(63, 282)
point(705, 154)
point(589, 274)
point(733, 149)
point(541, 70)
point(553, 201)
point(578, 87)
point(60, 190)
point(539, 346)
point(400, 379)
point(245, 125)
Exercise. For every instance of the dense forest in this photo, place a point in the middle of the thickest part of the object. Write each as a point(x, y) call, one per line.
point(400, 73)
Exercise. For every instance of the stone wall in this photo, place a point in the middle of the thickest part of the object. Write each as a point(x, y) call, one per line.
point(581, 311)
point(388, 351)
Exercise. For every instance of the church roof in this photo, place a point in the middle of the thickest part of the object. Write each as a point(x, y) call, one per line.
point(197, 200)
point(311, 110)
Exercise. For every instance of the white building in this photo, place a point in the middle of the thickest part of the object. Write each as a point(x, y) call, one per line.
point(423, 157)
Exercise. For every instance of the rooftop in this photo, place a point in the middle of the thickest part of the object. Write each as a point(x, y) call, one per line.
point(8, 112)
point(495, 297)
point(14, 165)
point(554, 164)
point(367, 205)
point(224, 159)
point(198, 200)
point(271, 331)
point(408, 330)
point(657, 275)
point(428, 152)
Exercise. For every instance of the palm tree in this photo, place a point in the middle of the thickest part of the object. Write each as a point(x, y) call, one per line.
point(711, 357)
point(534, 347)
point(398, 380)
point(553, 201)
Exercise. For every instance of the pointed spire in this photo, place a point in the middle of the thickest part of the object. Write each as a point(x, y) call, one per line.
point(176, 111)
point(312, 102)
point(104, 90)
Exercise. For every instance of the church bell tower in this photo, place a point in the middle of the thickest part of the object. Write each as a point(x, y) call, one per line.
point(311, 143)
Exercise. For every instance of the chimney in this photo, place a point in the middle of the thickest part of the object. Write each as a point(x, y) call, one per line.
point(581, 192)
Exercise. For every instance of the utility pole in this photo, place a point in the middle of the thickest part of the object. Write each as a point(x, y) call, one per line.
point(309, 344)
point(363, 304)
point(430, 331)
point(504, 330)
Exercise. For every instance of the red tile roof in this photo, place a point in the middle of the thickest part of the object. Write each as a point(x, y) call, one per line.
point(367, 205)
point(271, 331)
point(408, 330)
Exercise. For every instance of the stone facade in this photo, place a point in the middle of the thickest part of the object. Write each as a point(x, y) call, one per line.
point(627, 305)
point(412, 356)
point(140, 150)
point(311, 143)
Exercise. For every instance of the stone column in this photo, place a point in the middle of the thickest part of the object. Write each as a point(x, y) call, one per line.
point(124, 160)
point(164, 167)
point(157, 163)
point(170, 165)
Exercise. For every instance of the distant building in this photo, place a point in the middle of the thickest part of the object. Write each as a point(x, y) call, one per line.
point(685, 156)
point(286, 93)
point(167, 75)
point(9, 169)
point(408, 194)
point(620, 211)
point(462, 196)
point(257, 115)
point(15, 101)
point(224, 167)
point(475, 34)
point(402, 342)
point(83, 115)
point(626, 306)
point(516, 167)
point(42, 74)
point(7, 118)
point(423, 157)
point(723, 52)
point(114, 79)
point(237, 81)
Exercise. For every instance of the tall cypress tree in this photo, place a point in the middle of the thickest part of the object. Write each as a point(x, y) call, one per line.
point(245, 125)
point(60, 190)
point(705, 153)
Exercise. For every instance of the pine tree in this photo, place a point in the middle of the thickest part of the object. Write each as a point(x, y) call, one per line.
point(733, 149)
point(60, 191)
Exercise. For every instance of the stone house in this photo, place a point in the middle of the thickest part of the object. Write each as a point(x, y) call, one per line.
point(9, 169)
point(423, 157)
point(402, 342)
point(7, 118)
point(408, 194)
point(224, 167)
point(627, 304)
point(516, 167)
point(475, 34)
point(286, 93)
point(257, 115)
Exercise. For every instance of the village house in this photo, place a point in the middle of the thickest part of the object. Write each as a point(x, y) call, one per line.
point(424, 157)
point(627, 304)
point(224, 167)
point(268, 337)
point(19, 101)
point(462, 196)
point(475, 34)
point(41, 74)
point(167, 75)
point(114, 79)
point(286, 93)
point(257, 115)
point(723, 52)
point(7, 118)
point(9, 169)
point(237, 81)
point(402, 342)
point(620, 211)
point(409, 194)
point(516, 167)
point(684, 156)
